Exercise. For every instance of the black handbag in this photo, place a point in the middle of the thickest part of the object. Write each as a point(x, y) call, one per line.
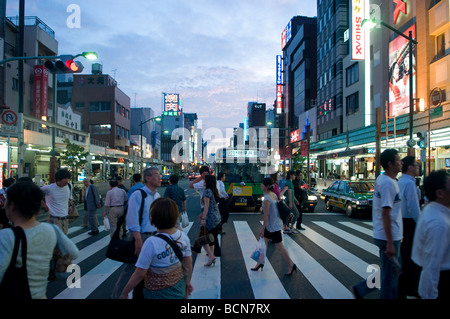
point(283, 210)
point(204, 237)
point(15, 280)
point(122, 249)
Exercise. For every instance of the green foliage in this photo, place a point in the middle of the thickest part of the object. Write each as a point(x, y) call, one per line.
point(75, 157)
point(298, 161)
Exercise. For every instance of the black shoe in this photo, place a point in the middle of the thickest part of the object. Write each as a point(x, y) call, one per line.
point(196, 249)
point(94, 232)
point(294, 268)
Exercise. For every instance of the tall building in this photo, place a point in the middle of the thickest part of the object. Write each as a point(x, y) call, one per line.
point(173, 118)
point(256, 113)
point(104, 107)
point(151, 131)
point(332, 22)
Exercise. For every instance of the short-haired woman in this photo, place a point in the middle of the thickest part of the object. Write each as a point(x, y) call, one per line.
point(165, 276)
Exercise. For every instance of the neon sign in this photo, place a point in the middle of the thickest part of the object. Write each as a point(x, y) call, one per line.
point(357, 32)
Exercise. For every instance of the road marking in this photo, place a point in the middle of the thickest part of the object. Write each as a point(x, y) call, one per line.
point(371, 248)
point(359, 228)
point(265, 284)
point(324, 282)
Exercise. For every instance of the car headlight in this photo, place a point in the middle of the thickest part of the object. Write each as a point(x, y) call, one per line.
point(312, 197)
point(362, 202)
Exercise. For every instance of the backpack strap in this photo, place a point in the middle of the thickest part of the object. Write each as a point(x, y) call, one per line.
point(122, 218)
point(172, 244)
point(19, 235)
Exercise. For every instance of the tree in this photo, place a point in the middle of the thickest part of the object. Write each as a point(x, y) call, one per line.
point(298, 161)
point(75, 157)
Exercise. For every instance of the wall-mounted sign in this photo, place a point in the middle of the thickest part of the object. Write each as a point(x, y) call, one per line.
point(357, 32)
point(172, 104)
point(279, 98)
point(40, 90)
point(279, 69)
point(295, 136)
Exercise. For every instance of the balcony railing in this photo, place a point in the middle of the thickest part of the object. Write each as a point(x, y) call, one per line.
point(33, 21)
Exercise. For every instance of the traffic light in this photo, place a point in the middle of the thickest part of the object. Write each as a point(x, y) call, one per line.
point(422, 139)
point(65, 65)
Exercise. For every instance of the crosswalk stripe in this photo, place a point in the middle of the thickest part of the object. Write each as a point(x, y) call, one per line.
point(206, 280)
point(92, 249)
point(265, 284)
point(91, 281)
point(84, 235)
point(371, 248)
point(359, 228)
point(369, 223)
point(325, 284)
point(353, 262)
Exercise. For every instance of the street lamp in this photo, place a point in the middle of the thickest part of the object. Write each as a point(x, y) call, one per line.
point(370, 23)
point(157, 119)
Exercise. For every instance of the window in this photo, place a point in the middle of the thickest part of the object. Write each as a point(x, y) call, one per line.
point(100, 129)
point(79, 105)
point(440, 45)
point(118, 130)
point(352, 102)
point(352, 74)
point(100, 106)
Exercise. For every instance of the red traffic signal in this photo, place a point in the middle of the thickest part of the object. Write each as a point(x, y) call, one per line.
point(65, 65)
point(74, 66)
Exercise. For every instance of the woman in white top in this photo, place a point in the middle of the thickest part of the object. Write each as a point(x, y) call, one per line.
point(165, 277)
point(273, 225)
point(22, 205)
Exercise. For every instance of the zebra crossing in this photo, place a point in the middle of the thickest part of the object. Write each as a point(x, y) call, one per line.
point(331, 256)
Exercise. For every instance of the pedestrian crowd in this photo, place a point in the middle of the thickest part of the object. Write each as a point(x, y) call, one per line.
point(414, 242)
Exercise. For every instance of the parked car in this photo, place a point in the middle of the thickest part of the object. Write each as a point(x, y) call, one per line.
point(165, 180)
point(354, 197)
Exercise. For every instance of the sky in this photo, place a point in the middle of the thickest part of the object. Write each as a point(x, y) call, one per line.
point(218, 55)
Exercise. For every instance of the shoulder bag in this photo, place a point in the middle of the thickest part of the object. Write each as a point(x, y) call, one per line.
point(122, 249)
point(15, 281)
point(283, 210)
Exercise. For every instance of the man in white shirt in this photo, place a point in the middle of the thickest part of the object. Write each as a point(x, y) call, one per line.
point(431, 246)
point(409, 279)
point(387, 226)
point(57, 197)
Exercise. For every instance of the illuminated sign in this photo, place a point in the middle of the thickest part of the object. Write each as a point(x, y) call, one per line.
point(295, 136)
point(172, 104)
point(399, 74)
point(357, 32)
point(279, 100)
point(286, 35)
point(279, 69)
point(400, 6)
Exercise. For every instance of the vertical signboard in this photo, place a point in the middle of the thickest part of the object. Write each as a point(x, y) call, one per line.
point(40, 91)
point(399, 74)
point(279, 69)
point(279, 98)
point(286, 35)
point(172, 104)
point(357, 38)
point(295, 136)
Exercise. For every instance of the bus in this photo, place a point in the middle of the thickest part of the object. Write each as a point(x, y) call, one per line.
point(244, 173)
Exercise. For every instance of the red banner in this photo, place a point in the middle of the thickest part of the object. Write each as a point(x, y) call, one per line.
point(304, 148)
point(40, 89)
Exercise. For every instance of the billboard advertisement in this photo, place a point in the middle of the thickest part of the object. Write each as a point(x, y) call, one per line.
point(172, 104)
point(279, 69)
point(40, 92)
point(399, 77)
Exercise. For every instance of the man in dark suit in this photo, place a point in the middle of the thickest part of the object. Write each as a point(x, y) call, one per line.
point(91, 203)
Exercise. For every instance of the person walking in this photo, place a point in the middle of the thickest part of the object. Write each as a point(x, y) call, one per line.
point(91, 203)
point(176, 193)
point(158, 266)
point(223, 204)
point(300, 194)
point(276, 187)
point(23, 203)
point(409, 278)
point(120, 184)
point(115, 204)
point(387, 226)
point(139, 230)
point(58, 200)
point(210, 218)
point(4, 222)
point(136, 184)
point(431, 245)
point(272, 226)
point(291, 201)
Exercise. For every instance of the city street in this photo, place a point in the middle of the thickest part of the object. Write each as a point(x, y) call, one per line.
point(332, 254)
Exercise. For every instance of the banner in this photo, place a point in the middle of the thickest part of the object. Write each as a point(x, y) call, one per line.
point(399, 74)
point(40, 90)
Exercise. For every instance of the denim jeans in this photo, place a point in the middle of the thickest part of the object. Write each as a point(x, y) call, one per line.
point(388, 276)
